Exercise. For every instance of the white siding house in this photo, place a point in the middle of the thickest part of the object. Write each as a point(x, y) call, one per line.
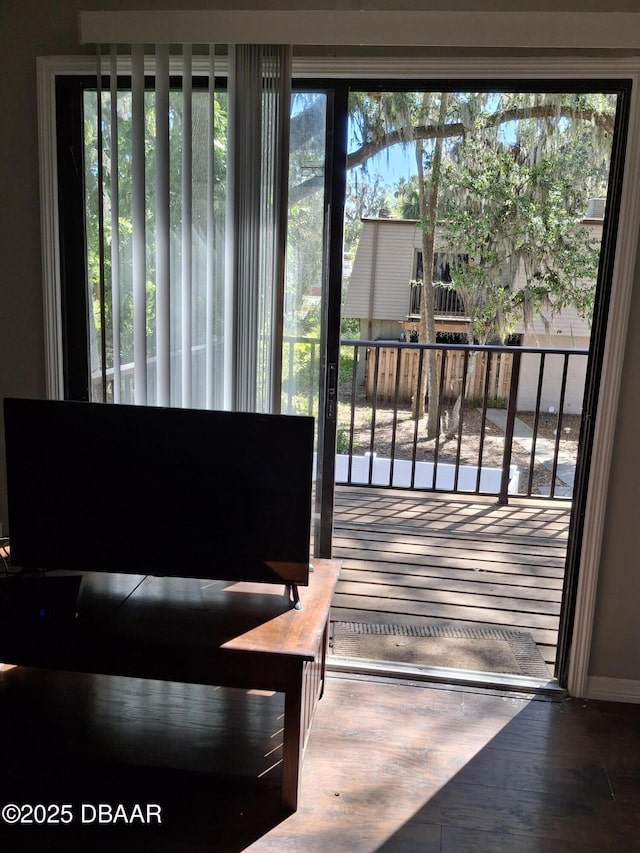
point(378, 294)
point(378, 290)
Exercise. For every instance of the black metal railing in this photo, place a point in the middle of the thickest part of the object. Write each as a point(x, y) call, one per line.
point(446, 301)
point(506, 420)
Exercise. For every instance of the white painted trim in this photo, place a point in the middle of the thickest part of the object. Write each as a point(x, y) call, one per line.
point(617, 327)
point(419, 67)
point(613, 689)
point(626, 250)
point(469, 28)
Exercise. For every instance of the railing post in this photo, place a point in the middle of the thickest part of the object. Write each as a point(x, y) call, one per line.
point(503, 497)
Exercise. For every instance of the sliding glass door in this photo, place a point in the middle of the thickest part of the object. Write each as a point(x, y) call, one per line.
point(168, 295)
point(311, 323)
point(307, 345)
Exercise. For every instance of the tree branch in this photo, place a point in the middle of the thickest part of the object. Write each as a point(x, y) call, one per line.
point(302, 190)
point(458, 129)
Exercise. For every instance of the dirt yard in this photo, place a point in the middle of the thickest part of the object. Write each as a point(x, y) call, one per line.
point(459, 436)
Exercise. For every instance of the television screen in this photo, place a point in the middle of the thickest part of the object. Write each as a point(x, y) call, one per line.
point(146, 490)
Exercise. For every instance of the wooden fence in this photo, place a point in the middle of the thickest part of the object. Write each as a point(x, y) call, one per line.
point(386, 360)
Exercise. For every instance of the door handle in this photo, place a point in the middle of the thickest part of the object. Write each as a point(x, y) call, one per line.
point(332, 391)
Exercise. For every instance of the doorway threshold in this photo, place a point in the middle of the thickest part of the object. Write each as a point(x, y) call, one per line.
point(444, 675)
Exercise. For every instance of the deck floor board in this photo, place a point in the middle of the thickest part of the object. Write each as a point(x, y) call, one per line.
point(424, 558)
point(449, 571)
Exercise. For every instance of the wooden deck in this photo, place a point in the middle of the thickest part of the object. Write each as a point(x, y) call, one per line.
point(416, 558)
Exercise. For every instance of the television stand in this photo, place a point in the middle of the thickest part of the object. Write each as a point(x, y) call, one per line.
point(223, 633)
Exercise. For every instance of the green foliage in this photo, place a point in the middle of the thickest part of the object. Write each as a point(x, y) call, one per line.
point(343, 437)
point(124, 180)
point(508, 213)
point(346, 366)
point(305, 226)
point(350, 328)
point(304, 380)
point(300, 404)
point(342, 440)
point(517, 173)
point(366, 196)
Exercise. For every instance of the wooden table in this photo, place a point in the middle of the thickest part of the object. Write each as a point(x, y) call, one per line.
point(201, 631)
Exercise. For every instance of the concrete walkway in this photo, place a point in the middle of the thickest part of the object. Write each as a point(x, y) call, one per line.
point(545, 449)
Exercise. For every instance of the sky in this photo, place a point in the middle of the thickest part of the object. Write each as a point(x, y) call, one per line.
point(395, 163)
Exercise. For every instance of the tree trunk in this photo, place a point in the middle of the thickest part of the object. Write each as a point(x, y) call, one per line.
point(427, 330)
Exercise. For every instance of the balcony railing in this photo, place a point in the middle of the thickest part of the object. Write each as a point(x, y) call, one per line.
point(446, 301)
point(508, 419)
point(507, 423)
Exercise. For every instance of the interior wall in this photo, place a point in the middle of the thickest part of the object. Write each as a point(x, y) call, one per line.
point(615, 651)
point(32, 28)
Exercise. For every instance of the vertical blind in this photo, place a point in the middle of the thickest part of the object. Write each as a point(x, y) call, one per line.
point(186, 166)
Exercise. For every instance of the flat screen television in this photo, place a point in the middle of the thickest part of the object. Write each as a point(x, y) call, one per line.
point(147, 490)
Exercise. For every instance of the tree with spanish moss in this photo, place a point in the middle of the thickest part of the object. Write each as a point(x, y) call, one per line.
point(507, 177)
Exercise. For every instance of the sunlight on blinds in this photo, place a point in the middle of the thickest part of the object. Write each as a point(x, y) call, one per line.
point(257, 188)
point(186, 175)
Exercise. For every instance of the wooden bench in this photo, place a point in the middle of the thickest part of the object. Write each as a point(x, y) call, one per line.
point(200, 631)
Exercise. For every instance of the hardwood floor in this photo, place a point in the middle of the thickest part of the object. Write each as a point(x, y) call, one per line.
point(418, 558)
point(390, 766)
